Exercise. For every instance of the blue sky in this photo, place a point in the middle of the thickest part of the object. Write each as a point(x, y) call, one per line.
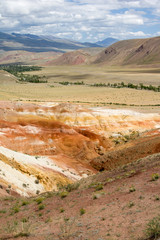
point(82, 20)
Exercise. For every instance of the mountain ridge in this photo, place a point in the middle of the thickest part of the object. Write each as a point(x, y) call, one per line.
point(34, 43)
point(107, 41)
point(131, 52)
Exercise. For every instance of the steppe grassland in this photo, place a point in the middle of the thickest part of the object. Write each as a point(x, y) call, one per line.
point(101, 74)
point(53, 91)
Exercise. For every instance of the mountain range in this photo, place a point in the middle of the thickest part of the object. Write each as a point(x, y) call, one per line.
point(50, 50)
point(42, 43)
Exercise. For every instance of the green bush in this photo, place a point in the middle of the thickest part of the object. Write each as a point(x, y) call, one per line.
point(42, 206)
point(131, 204)
point(62, 210)
point(63, 194)
point(39, 200)
point(71, 187)
point(99, 187)
point(82, 211)
point(24, 202)
point(15, 209)
point(132, 189)
point(155, 176)
point(153, 228)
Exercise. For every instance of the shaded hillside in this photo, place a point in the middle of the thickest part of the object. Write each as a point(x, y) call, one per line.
point(131, 52)
point(139, 148)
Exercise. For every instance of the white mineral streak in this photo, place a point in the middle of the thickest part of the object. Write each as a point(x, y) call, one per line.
point(15, 177)
point(43, 162)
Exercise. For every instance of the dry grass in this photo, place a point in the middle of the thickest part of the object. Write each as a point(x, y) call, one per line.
point(53, 91)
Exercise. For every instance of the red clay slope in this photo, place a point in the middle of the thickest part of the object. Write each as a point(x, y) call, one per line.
point(111, 205)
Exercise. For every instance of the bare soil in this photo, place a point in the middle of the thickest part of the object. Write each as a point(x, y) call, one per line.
point(112, 212)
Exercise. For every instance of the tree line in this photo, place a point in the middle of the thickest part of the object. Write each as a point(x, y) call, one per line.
point(140, 86)
point(17, 71)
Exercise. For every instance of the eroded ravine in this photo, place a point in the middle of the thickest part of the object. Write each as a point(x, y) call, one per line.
point(46, 145)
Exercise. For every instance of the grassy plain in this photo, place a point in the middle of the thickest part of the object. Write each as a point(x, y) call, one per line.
point(53, 91)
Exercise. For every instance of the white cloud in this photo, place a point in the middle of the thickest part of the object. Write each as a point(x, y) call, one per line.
point(124, 34)
point(77, 19)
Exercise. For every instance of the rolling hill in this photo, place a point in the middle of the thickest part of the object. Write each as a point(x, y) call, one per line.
point(131, 52)
point(71, 58)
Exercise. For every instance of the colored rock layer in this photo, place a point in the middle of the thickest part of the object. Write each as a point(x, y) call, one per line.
point(46, 145)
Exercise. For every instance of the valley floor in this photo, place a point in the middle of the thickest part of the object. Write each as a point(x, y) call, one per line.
point(53, 90)
point(79, 162)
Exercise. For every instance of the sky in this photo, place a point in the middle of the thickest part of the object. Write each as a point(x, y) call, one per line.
point(82, 20)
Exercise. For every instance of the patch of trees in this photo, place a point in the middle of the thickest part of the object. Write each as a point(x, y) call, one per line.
point(14, 69)
point(72, 83)
point(140, 86)
point(30, 78)
point(17, 71)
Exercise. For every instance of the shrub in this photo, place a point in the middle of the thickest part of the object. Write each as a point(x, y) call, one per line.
point(155, 176)
point(63, 194)
point(25, 203)
point(153, 228)
point(37, 192)
point(24, 220)
point(132, 189)
point(157, 198)
point(82, 211)
point(99, 187)
point(39, 200)
point(41, 207)
point(95, 197)
point(15, 209)
point(8, 190)
point(71, 187)
point(36, 181)
point(3, 211)
point(62, 210)
point(131, 204)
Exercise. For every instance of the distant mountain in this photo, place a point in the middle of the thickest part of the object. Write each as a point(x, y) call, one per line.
point(34, 43)
point(92, 45)
point(131, 52)
point(106, 42)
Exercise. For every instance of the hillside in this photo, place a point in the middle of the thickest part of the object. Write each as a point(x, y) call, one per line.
point(111, 205)
point(71, 58)
point(77, 57)
point(131, 52)
point(25, 57)
point(53, 183)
